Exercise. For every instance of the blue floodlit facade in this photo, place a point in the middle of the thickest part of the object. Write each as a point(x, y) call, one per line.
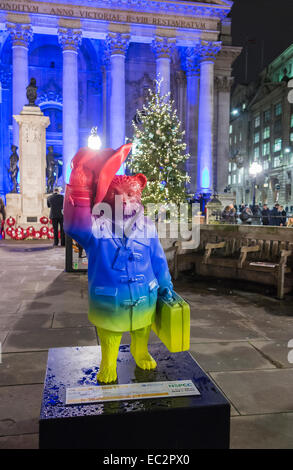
point(94, 62)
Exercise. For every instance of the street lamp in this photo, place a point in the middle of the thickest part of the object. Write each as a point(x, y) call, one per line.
point(254, 170)
point(94, 141)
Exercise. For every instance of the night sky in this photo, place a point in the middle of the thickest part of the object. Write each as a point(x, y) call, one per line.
point(265, 22)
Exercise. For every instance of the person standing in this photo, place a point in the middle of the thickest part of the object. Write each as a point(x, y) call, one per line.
point(283, 216)
point(242, 207)
point(246, 216)
point(2, 218)
point(256, 210)
point(265, 213)
point(275, 215)
point(55, 203)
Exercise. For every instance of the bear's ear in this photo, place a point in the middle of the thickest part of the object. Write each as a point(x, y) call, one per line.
point(141, 179)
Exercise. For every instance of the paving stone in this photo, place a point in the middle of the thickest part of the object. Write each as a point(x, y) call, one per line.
point(212, 315)
point(43, 339)
point(228, 356)
point(23, 368)
point(24, 441)
point(276, 351)
point(257, 392)
point(53, 305)
point(235, 331)
point(10, 306)
point(20, 409)
point(71, 320)
point(33, 321)
point(269, 431)
point(7, 321)
point(3, 335)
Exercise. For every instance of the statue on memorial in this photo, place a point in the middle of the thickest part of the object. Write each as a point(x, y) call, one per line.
point(31, 92)
point(51, 169)
point(127, 270)
point(13, 168)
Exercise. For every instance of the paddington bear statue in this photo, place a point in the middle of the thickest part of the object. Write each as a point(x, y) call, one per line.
point(127, 267)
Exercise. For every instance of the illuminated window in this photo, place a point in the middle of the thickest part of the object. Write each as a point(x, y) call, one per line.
point(257, 121)
point(278, 145)
point(266, 164)
point(291, 121)
point(234, 167)
point(234, 179)
point(266, 133)
point(256, 152)
point(231, 129)
point(230, 166)
point(256, 138)
point(229, 179)
point(266, 149)
point(277, 162)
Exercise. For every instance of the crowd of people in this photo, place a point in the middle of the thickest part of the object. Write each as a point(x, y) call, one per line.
point(257, 215)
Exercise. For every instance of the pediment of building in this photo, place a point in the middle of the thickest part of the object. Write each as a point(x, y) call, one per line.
point(265, 89)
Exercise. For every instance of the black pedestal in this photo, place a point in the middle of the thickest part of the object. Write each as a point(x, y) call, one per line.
point(195, 422)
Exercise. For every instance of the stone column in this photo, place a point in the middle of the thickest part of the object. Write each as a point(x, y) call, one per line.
point(181, 97)
point(5, 86)
point(106, 87)
point(223, 87)
point(70, 40)
point(116, 47)
point(163, 48)
point(21, 35)
point(192, 68)
point(206, 52)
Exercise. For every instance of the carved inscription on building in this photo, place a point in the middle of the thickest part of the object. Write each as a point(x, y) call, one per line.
point(105, 15)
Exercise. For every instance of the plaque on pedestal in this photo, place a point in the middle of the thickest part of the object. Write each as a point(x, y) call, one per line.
point(183, 422)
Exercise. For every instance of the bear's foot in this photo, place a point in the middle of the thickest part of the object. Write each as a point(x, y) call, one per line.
point(107, 374)
point(144, 360)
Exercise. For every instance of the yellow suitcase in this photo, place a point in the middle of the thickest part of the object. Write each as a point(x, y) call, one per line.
point(172, 323)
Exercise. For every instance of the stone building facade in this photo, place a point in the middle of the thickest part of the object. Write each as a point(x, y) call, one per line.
point(261, 129)
point(94, 62)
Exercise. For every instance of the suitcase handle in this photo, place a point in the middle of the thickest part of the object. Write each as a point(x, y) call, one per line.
point(176, 299)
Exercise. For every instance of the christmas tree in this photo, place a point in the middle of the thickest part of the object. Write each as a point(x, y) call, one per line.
point(159, 150)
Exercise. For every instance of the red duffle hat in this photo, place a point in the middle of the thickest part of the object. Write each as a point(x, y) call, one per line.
point(104, 164)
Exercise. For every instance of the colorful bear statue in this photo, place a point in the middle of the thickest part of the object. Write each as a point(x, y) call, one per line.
point(127, 267)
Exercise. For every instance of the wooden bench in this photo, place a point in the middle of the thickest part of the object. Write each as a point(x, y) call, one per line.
point(261, 261)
